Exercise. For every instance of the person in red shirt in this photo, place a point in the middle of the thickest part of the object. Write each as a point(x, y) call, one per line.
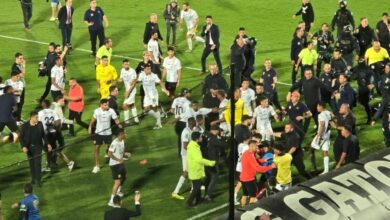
point(250, 167)
point(76, 104)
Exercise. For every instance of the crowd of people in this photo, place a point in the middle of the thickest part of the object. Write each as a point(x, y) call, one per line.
point(327, 64)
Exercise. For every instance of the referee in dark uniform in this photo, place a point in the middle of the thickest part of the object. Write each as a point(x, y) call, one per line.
point(119, 213)
point(94, 18)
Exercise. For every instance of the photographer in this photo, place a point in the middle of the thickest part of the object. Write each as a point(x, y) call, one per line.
point(45, 69)
point(171, 14)
point(324, 39)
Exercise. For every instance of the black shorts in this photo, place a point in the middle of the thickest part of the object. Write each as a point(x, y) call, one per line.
point(100, 139)
point(55, 94)
point(171, 87)
point(249, 188)
point(237, 176)
point(141, 91)
point(52, 139)
point(118, 172)
point(11, 125)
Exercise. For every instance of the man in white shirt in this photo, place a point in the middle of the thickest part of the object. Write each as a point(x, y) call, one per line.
point(154, 47)
point(172, 72)
point(18, 87)
point(102, 134)
point(129, 78)
point(322, 138)
point(192, 19)
point(179, 107)
point(57, 79)
point(117, 154)
point(149, 80)
point(248, 95)
point(185, 139)
point(262, 116)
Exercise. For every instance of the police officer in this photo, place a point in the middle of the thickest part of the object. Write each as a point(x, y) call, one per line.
point(324, 39)
point(338, 64)
point(365, 35)
point(345, 93)
point(327, 78)
point(94, 18)
point(347, 43)
point(365, 79)
point(342, 17)
point(297, 44)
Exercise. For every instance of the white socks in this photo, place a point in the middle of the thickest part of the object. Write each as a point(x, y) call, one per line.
point(158, 118)
point(179, 184)
point(189, 42)
point(326, 164)
point(112, 198)
point(127, 115)
point(199, 39)
point(134, 113)
point(235, 196)
point(119, 189)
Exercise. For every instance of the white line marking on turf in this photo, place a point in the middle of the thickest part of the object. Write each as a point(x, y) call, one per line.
point(208, 212)
point(89, 51)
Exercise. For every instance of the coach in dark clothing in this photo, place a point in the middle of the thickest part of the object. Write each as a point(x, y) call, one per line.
point(237, 56)
point(297, 44)
point(151, 27)
point(210, 100)
point(214, 78)
point(94, 18)
point(350, 148)
point(365, 35)
point(66, 22)
point(383, 31)
point(307, 13)
point(32, 139)
point(119, 213)
point(211, 32)
point(345, 94)
point(27, 12)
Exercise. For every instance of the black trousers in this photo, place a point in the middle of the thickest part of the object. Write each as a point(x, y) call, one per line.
point(338, 147)
point(171, 26)
point(47, 89)
point(386, 131)
point(94, 34)
point(27, 13)
point(179, 127)
point(273, 99)
point(34, 159)
point(55, 94)
point(196, 193)
point(211, 179)
point(364, 99)
point(76, 115)
point(313, 110)
point(66, 32)
point(298, 163)
point(210, 118)
point(206, 52)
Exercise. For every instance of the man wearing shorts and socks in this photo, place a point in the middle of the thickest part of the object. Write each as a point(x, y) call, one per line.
point(322, 138)
point(55, 5)
point(7, 107)
point(102, 116)
point(185, 139)
point(129, 78)
point(180, 107)
point(192, 19)
point(117, 153)
point(172, 70)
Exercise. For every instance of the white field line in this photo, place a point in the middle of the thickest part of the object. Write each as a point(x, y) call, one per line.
point(208, 211)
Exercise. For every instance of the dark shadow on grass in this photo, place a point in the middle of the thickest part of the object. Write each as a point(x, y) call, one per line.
point(150, 173)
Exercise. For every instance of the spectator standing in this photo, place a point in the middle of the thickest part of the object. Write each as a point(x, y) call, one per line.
point(96, 20)
point(65, 22)
point(171, 15)
point(150, 28)
point(27, 13)
point(211, 32)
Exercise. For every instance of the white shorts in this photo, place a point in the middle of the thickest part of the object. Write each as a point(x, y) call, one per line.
point(151, 100)
point(55, 4)
point(131, 99)
point(264, 129)
point(322, 144)
point(184, 163)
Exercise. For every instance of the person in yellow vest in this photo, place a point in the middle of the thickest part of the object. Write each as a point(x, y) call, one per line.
point(282, 162)
point(239, 110)
point(376, 54)
point(106, 76)
point(105, 50)
point(308, 57)
point(196, 164)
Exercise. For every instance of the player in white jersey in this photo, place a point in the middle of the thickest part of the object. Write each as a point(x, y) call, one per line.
point(262, 117)
point(185, 139)
point(117, 155)
point(191, 18)
point(18, 87)
point(180, 106)
point(154, 48)
point(322, 138)
point(149, 80)
point(102, 116)
point(172, 72)
point(57, 75)
point(52, 127)
point(248, 95)
point(242, 147)
point(129, 78)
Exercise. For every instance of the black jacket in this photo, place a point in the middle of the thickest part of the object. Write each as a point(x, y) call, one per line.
point(307, 13)
point(297, 44)
point(215, 147)
point(365, 35)
point(311, 90)
point(122, 213)
point(342, 18)
point(216, 79)
point(214, 31)
point(26, 139)
point(149, 28)
point(170, 11)
point(63, 15)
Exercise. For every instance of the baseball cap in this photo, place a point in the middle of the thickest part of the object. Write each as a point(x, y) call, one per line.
point(185, 91)
point(295, 94)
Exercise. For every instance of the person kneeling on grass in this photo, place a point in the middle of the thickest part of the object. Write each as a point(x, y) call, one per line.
point(282, 161)
point(117, 154)
point(248, 174)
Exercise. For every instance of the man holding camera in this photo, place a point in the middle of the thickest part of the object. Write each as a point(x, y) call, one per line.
point(324, 39)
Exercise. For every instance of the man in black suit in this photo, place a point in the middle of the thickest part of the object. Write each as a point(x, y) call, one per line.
point(119, 213)
point(65, 22)
point(211, 32)
point(150, 27)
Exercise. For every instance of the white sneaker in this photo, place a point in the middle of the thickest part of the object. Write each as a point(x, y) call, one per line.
point(52, 19)
point(120, 194)
point(202, 187)
point(96, 169)
point(110, 203)
point(70, 166)
point(237, 202)
point(156, 127)
point(46, 169)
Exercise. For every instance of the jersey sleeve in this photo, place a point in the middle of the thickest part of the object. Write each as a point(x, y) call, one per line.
point(272, 110)
point(141, 77)
point(165, 63)
point(52, 73)
point(23, 206)
point(156, 79)
point(55, 115)
point(173, 106)
point(253, 95)
point(185, 136)
point(95, 114)
point(133, 74)
point(114, 116)
point(112, 146)
point(178, 64)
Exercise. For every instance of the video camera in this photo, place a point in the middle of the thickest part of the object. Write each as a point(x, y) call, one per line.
point(42, 69)
point(251, 42)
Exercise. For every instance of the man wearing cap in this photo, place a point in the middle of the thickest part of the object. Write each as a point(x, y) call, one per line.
point(172, 72)
point(214, 78)
point(350, 149)
point(342, 17)
point(381, 28)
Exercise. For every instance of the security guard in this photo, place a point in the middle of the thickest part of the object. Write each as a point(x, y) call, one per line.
point(342, 17)
point(324, 39)
point(347, 43)
point(297, 44)
point(338, 64)
point(345, 93)
point(327, 78)
point(94, 18)
point(365, 80)
point(365, 35)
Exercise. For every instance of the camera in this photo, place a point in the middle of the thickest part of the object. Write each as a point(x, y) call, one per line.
point(42, 69)
point(250, 41)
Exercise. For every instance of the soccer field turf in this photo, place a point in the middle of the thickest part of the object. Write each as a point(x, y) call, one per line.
point(81, 195)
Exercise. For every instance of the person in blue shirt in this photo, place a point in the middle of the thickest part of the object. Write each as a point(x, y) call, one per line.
point(345, 93)
point(29, 207)
point(94, 18)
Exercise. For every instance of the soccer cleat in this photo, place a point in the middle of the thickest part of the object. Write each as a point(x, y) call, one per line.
point(52, 19)
point(96, 169)
point(177, 196)
point(70, 166)
point(156, 127)
point(120, 194)
point(110, 203)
